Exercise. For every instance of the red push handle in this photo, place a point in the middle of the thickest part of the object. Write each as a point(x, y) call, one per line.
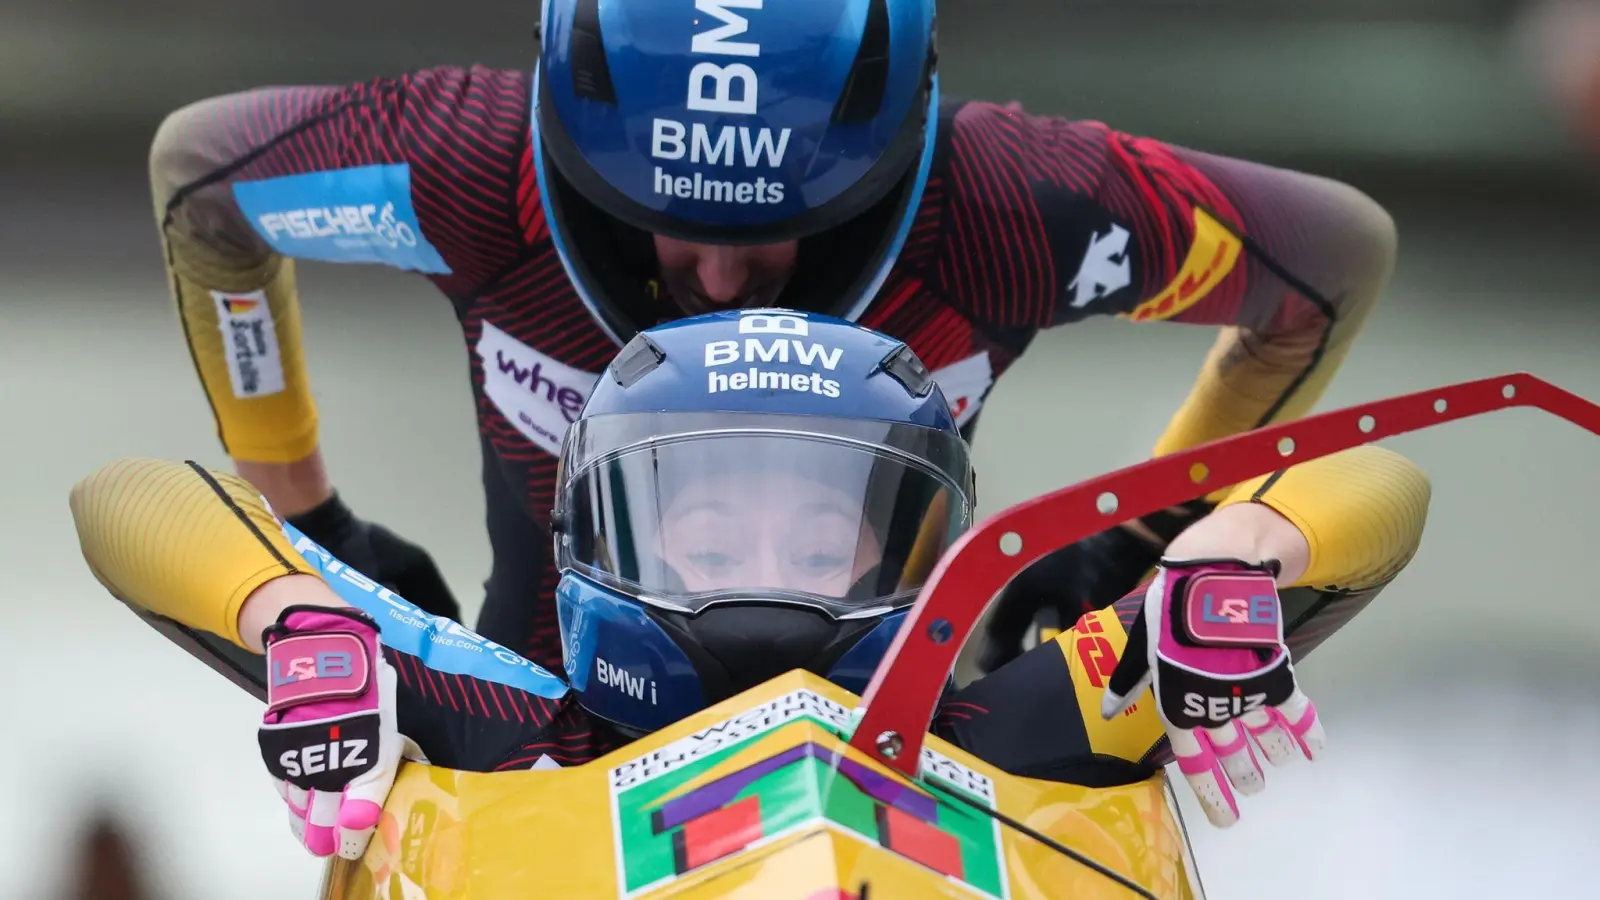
point(900, 701)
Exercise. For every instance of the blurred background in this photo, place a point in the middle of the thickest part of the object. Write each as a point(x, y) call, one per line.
point(1463, 708)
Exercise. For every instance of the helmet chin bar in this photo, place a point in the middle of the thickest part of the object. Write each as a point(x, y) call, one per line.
point(900, 701)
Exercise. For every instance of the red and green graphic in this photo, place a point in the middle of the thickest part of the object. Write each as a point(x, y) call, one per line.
point(698, 813)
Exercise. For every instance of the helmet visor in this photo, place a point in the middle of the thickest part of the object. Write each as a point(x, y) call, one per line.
point(845, 516)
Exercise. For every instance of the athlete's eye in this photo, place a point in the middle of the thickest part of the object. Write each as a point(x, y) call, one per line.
point(821, 562)
point(712, 560)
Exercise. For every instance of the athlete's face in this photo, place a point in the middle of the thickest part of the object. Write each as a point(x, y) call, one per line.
point(704, 277)
point(781, 532)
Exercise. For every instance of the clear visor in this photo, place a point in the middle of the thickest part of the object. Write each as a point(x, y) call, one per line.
point(842, 515)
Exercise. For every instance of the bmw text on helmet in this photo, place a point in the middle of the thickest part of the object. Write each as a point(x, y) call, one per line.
point(721, 88)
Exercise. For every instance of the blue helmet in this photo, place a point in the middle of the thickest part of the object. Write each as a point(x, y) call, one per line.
point(733, 122)
point(746, 493)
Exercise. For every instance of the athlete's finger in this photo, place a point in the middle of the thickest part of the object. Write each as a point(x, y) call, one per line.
point(1303, 725)
point(358, 820)
point(322, 817)
point(362, 808)
point(295, 805)
point(1270, 730)
point(1237, 757)
point(298, 798)
point(1200, 767)
point(374, 785)
point(1132, 673)
point(363, 798)
point(1113, 703)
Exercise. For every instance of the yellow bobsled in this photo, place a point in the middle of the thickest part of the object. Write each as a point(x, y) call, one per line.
point(798, 790)
point(761, 797)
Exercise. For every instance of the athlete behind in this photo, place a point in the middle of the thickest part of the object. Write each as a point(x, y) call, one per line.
point(720, 523)
point(668, 159)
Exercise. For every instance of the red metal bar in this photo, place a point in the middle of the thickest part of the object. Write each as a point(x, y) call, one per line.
point(900, 701)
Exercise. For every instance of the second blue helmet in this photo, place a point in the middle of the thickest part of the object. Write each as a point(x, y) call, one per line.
point(747, 493)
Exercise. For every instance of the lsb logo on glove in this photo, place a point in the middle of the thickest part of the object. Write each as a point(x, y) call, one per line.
point(1227, 609)
point(317, 667)
point(321, 717)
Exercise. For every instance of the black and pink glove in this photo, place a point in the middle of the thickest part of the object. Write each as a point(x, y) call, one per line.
point(1217, 662)
point(328, 737)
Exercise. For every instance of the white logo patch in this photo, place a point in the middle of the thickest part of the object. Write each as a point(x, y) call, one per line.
point(730, 88)
point(250, 344)
point(965, 384)
point(1105, 268)
point(538, 395)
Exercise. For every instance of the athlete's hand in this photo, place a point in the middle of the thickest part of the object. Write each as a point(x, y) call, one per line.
point(328, 736)
point(380, 554)
point(1221, 675)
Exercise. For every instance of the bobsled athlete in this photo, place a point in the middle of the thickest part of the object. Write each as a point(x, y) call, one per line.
point(721, 521)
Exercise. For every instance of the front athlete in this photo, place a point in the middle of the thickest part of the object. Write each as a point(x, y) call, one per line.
point(709, 541)
point(671, 158)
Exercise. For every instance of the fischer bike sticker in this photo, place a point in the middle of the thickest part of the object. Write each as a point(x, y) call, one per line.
point(357, 215)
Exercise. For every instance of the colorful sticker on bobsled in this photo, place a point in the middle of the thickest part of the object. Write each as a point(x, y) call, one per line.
point(737, 786)
point(443, 645)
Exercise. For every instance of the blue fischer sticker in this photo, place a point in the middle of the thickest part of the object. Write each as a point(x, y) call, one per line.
point(360, 215)
point(442, 645)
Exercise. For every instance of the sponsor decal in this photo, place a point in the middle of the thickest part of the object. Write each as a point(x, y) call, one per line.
point(1105, 269)
point(1224, 708)
point(721, 87)
point(1091, 648)
point(723, 790)
point(539, 396)
point(329, 757)
point(249, 344)
point(1094, 652)
point(1212, 256)
point(621, 680)
point(441, 644)
point(1233, 610)
point(356, 215)
point(779, 344)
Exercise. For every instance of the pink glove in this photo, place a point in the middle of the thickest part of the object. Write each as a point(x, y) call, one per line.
point(1218, 661)
point(328, 736)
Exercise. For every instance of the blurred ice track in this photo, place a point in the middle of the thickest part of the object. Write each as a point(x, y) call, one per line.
point(1463, 708)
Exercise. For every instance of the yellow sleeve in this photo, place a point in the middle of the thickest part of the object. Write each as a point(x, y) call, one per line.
point(235, 297)
point(1248, 383)
point(1362, 512)
point(180, 540)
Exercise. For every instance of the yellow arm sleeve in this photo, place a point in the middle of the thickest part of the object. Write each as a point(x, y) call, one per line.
point(180, 540)
point(1362, 512)
point(235, 297)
